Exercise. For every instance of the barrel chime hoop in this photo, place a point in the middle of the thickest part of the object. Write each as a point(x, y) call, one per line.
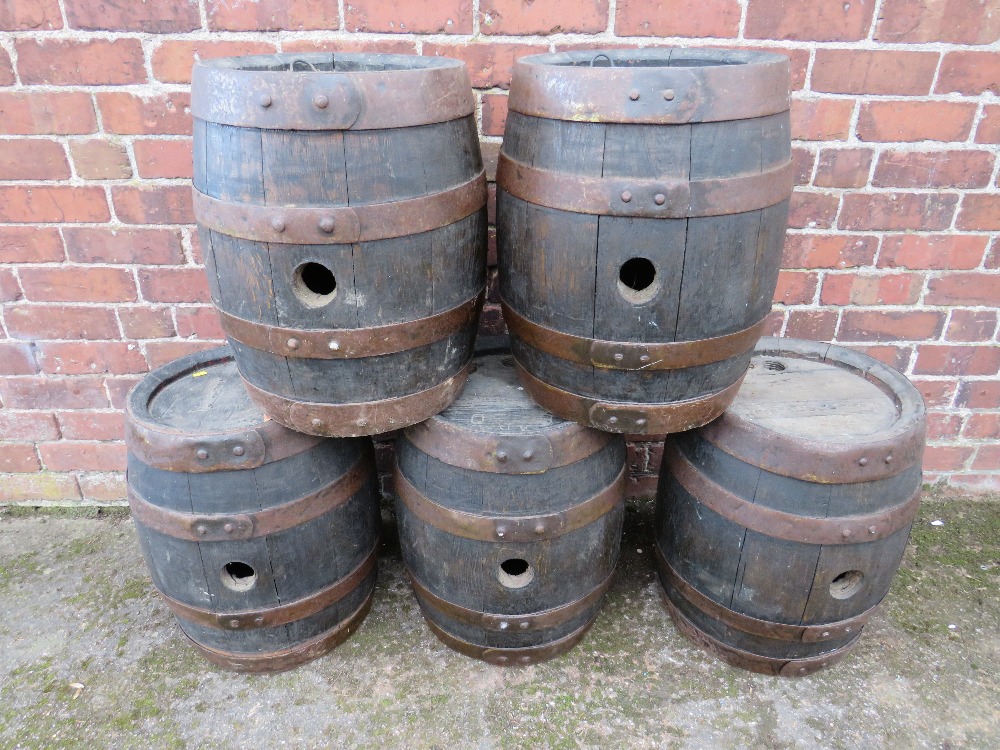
point(510, 657)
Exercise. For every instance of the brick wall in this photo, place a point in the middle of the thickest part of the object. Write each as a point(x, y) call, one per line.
point(893, 245)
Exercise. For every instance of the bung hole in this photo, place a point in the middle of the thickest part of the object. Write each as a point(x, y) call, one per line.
point(515, 573)
point(774, 366)
point(637, 280)
point(314, 284)
point(847, 584)
point(238, 576)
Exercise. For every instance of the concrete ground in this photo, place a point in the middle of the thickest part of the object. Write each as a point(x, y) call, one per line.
point(91, 659)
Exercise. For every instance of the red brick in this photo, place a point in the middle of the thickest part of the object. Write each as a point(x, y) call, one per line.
point(980, 211)
point(118, 387)
point(91, 425)
point(977, 394)
point(10, 290)
point(131, 114)
point(854, 71)
point(982, 427)
point(163, 158)
point(32, 159)
point(103, 487)
point(18, 457)
point(81, 392)
point(821, 119)
point(490, 65)
point(971, 325)
point(987, 458)
point(161, 352)
point(146, 322)
point(71, 62)
point(819, 20)
point(796, 287)
point(428, 17)
point(641, 486)
point(928, 169)
point(57, 203)
point(161, 204)
point(73, 455)
point(6, 69)
point(100, 159)
point(803, 161)
point(946, 457)
point(843, 167)
point(16, 359)
point(491, 203)
point(273, 15)
point(542, 16)
point(958, 21)
point(78, 284)
point(964, 289)
point(87, 357)
point(30, 245)
point(174, 285)
point(897, 357)
point(28, 425)
point(915, 121)
point(46, 113)
point(697, 18)
point(195, 243)
point(828, 251)
point(897, 211)
point(868, 289)
point(941, 359)
point(389, 46)
point(126, 245)
point(37, 487)
point(989, 127)
point(129, 15)
point(971, 73)
point(494, 113)
point(812, 210)
point(173, 59)
point(199, 322)
point(60, 322)
point(937, 252)
point(30, 15)
point(937, 394)
point(890, 325)
point(491, 154)
point(773, 323)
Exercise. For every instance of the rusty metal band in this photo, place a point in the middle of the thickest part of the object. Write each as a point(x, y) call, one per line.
point(508, 623)
point(225, 527)
point(351, 343)
point(625, 355)
point(754, 662)
point(873, 457)
point(505, 454)
point(362, 418)
point(280, 661)
point(280, 615)
point(316, 99)
point(624, 417)
point(510, 657)
point(830, 631)
point(648, 198)
point(788, 526)
point(515, 529)
point(336, 225)
point(564, 86)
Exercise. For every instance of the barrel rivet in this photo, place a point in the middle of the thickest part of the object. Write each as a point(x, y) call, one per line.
point(501, 660)
point(326, 224)
point(619, 357)
point(234, 623)
point(668, 94)
point(847, 630)
point(335, 346)
point(502, 456)
point(613, 420)
point(278, 224)
point(202, 454)
point(540, 529)
point(317, 423)
point(238, 450)
point(626, 196)
point(802, 670)
point(321, 101)
point(633, 95)
point(846, 533)
point(862, 462)
point(292, 343)
point(362, 422)
point(201, 530)
point(228, 528)
point(888, 459)
point(266, 101)
point(659, 199)
point(644, 358)
point(504, 625)
point(826, 633)
point(527, 455)
point(873, 529)
point(640, 422)
point(501, 530)
point(258, 621)
point(526, 660)
point(525, 624)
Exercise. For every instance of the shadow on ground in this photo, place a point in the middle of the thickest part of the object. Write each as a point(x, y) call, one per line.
point(91, 659)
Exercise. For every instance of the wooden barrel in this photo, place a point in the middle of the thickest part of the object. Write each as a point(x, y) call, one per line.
point(781, 524)
point(510, 520)
point(341, 204)
point(642, 205)
point(261, 540)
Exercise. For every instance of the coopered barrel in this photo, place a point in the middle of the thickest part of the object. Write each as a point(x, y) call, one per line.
point(641, 208)
point(510, 520)
point(341, 204)
point(781, 524)
point(261, 540)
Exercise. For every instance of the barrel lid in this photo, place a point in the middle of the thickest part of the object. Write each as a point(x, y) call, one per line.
point(823, 413)
point(495, 426)
point(194, 415)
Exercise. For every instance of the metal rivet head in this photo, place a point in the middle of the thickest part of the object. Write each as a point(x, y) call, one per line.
point(504, 625)
point(613, 420)
point(362, 422)
point(668, 94)
point(525, 624)
point(258, 621)
point(862, 462)
point(292, 343)
point(659, 199)
point(201, 530)
point(228, 528)
point(202, 454)
point(527, 455)
point(501, 660)
point(847, 630)
point(633, 95)
point(278, 224)
point(326, 224)
point(335, 346)
point(873, 529)
point(640, 421)
point(321, 101)
point(626, 196)
point(802, 670)
point(525, 660)
point(238, 450)
point(317, 423)
point(846, 533)
point(501, 456)
point(266, 101)
point(888, 459)
point(619, 357)
point(644, 358)
point(540, 528)
point(826, 633)
point(234, 623)
point(501, 530)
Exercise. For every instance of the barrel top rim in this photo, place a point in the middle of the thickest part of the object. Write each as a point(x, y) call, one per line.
point(724, 56)
point(401, 63)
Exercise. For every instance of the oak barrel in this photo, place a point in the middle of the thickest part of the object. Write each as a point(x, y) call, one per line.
point(781, 524)
point(642, 205)
point(261, 540)
point(341, 204)
point(510, 520)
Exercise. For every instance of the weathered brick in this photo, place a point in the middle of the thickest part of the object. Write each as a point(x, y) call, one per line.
point(10, 290)
point(73, 62)
point(56, 203)
point(18, 457)
point(161, 352)
point(970, 73)
point(27, 425)
point(943, 359)
point(796, 287)
point(142, 322)
point(982, 427)
point(494, 113)
point(163, 158)
point(843, 167)
point(542, 16)
point(937, 394)
point(821, 119)
point(897, 211)
point(815, 325)
point(978, 394)
point(100, 159)
point(103, 487)
point(118, 387)
point(38, 487)
point(158, 204)
point(46, 113)
point(711, 18)
point(912, 121)
point(803, 161)
point(819, 20)
point(773, 323)
point(273, 15)
point(60, 322)
point(943, 426)
point(642, 486)
point(174, 285)
point(16, 359)
point(937, 252)
point(434, 17)
point(871, 289)
point(73, 455)
point(964, 289)
point(854, 71)
point(490, 65)
point(897, 357)
point(199, 322)
point(6, 69)
point(30, 15)
point(78, 284)
point(971, 325)
point(988, 459)
point(958, 21)
point(30, 245)
point(812, 210)
point(988, 130)
point(992, 259)
point(890, 325)
point(126, 245)
point(81, 392)
point(88, 357)
point(980, 211)
point(91, 425)
point(389, 46)
point(929, 169)
point(828, 251)
point(128, 15)
point(32, 159)
point(172, 59)
point(131, 114)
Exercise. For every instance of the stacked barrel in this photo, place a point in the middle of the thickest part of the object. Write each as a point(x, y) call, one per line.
point(641, 208)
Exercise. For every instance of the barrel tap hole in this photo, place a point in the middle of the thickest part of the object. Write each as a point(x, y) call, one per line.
point(847, 584)
point(515, 573)
point(314, 284)
point(637, 280)
point(238, 576)
point(773, 366)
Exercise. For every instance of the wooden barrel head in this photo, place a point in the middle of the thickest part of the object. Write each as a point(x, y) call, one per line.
point(206, 398)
